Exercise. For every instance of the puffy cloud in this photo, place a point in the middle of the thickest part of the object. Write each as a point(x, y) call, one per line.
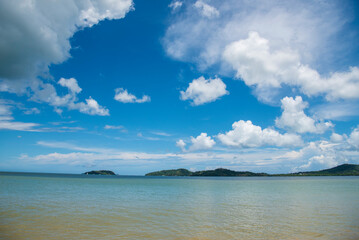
point(257, 66)
point(91, 107)
point(45, 92)
point(71, 84)
point(354, 138)
point(35, 34)
point(286, 38)
point(206, 10)
point(202, 90)
point(336, 137)
point(201, 142)
point(302, 25)
point(181, 144)
point(320, 154)
point(245, 134)
point(175, 5)
point(123, 96)
point(294, 118)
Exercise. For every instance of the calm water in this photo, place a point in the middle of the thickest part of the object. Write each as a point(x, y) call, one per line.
point(36, 206)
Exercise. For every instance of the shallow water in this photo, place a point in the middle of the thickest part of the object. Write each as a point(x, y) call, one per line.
point(52, 206)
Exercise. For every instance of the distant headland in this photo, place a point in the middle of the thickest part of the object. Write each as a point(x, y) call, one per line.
point(341, 170)
point(100, 172)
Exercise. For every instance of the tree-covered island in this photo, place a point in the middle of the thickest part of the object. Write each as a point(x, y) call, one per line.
point(341, 170)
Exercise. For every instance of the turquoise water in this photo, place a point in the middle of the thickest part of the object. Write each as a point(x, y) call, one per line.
point(51, 206)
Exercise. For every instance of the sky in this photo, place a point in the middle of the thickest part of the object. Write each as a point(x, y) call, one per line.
point(139, 86)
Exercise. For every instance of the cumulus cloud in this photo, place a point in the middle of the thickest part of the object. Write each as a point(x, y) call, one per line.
point(201, 142)
point(123, 96)
point(181, 144)
point(302, 25)
point(320, 154)
point(91, 107)
point(245, 134)
point(205, 9)
point(46, 92)
point(71, 84)
point(336, 137)
point(270, 45)
point(294, 118)
point(260, 67)
point(201, 90)
point(36, 34)
point(354, 138)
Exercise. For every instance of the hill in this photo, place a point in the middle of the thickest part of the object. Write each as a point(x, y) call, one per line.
point(222, 172)
point(341, 170)
point(172, 172)
point(100, 172)
point(219, 172)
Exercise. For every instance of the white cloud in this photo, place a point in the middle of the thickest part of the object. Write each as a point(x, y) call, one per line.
point(7, 121)
point(245, 134)
point(91, 107)
point(320, 154)
point(120, 127)
point(147, 138)
point(71, 84)
point(123, 96)
point(181, 144)
point(206, 10)
point(336, 137)
point(294, 118)
point(313, 156)
point(288, 41)
point(336, 110)
point(354, 138)
point(201, 142)
point(29, 111)
point(164, 134)
point(306, 26)
point(175, 5)
point(35, 34)
point(202, 90)
point(262, 68)
point(45, 92)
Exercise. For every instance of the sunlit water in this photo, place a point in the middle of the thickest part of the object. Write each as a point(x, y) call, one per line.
point(35, 206)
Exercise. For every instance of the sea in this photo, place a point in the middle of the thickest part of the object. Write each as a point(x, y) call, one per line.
point(70, 206)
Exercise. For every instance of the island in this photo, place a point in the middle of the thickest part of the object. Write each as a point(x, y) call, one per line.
point(100, 172)
point(341, 170)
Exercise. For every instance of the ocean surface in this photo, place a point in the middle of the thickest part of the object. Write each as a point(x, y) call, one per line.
point(61, 206)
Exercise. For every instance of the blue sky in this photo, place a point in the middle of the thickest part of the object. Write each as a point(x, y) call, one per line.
point(137, 86)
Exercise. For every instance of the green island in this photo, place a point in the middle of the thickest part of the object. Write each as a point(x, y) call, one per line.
point(100, 172)
point(341, 170)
